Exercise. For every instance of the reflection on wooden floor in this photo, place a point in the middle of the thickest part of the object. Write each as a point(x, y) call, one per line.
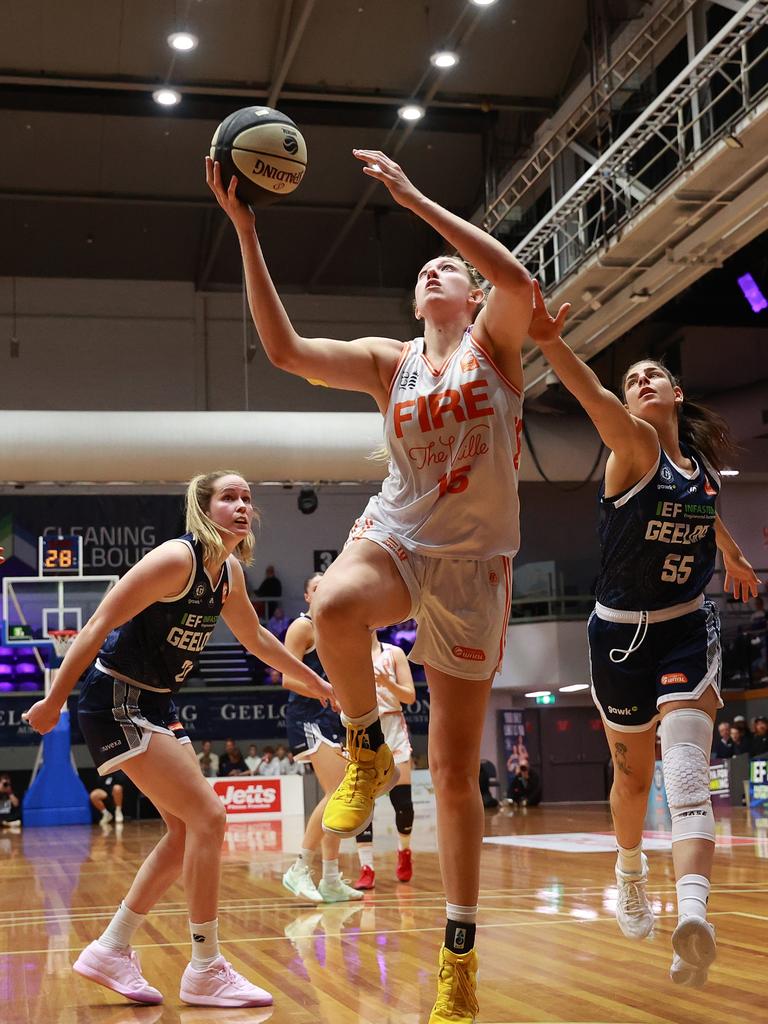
point(549, 946)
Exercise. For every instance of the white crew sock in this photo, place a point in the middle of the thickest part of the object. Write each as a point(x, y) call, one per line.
point(120, 930)
point(403, 842)
point(467, 915)
point(305, 858)
point(630, 861)
point(365, 853)
point(331, 871)
point(205, 943)
point(363, 720)
point(692, 896)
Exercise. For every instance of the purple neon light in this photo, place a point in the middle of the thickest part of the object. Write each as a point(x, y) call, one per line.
point(752, 293)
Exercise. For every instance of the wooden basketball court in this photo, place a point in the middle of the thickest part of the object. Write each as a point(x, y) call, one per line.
point(550, 949)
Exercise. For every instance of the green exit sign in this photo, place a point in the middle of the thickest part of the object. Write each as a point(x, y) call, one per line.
point(545, 698)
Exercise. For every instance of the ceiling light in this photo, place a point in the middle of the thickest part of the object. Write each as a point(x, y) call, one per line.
point(573, 687)
point(729, 472)
point(182, 41)
point(444, 59)
point(482, 3)
point(411, 112)
point(733, 141)
point(539, 693)
point(166, 97)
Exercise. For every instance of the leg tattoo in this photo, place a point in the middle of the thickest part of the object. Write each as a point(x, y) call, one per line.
point(620, 757)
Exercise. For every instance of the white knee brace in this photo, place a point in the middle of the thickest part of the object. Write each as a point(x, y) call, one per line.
point(686, 740)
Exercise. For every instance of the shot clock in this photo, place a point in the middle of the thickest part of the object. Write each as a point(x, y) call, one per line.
point(61, 556)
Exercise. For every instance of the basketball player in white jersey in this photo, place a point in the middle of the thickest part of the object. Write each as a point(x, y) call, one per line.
point(394, 687)
point(436, 544)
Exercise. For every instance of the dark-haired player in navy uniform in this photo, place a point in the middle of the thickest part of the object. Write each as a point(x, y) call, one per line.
point(654, 639)
point(315, 735)
point(142, 643)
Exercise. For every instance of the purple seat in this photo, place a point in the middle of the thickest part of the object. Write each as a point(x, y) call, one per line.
point(5, 685)
point(26, 668)
point(28, 687)
point(7, 652)
point(6, 670)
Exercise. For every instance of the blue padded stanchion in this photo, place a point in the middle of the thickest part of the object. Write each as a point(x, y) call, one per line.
point(56, 795)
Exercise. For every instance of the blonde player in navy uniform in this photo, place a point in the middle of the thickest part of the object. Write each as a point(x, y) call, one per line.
point(145, 637)
point(654, 640)
point(315, 735)
point(436, 544)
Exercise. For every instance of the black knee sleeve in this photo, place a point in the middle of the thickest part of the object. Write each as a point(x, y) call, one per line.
point(366, 836)
point(403, 804)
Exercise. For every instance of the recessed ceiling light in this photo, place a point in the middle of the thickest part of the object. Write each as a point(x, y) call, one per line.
point(183, 41)
point(411, 112)
point(729, 472)
point(166, 97)
point(444, 59)
point(539, 693)
point(573, 687)
point(482, 3)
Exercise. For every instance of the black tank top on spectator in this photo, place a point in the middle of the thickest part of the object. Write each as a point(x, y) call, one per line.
point(158, 648)
point(658, 538)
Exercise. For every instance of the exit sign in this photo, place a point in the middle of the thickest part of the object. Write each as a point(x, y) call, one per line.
point(546, 698)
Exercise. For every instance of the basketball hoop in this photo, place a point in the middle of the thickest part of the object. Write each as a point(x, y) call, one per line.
point(62, 640)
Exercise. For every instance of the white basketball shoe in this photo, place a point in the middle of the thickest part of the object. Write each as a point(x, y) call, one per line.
point(633, 909)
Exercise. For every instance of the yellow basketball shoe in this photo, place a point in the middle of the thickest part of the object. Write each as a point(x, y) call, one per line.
point(456, 989)
point(369, 774)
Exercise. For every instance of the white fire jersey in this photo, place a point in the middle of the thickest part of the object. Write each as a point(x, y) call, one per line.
point(453, 436)
point(385, 674)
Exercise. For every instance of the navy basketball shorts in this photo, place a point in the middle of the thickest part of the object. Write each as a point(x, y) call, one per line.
point(310, 725)
point(117, 720)
point(676, 660)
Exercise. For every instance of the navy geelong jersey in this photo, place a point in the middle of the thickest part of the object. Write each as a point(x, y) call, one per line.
point(301, 703)
point(158, 648)
point(658, 537)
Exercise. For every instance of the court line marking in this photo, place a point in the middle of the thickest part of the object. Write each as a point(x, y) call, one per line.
point(541, 922)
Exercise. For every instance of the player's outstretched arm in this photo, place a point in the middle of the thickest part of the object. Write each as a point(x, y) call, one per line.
point(239, 615)
point(630, 439)
point(160, 574)
point(365, 364)
point(740, 578)
point(503, 323)
point(404, 686)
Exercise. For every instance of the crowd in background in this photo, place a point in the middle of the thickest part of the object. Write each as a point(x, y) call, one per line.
point(271, 761)
point(736, 737)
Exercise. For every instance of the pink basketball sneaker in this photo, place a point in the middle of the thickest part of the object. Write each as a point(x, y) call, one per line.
point(220, 985)
point(119, 970)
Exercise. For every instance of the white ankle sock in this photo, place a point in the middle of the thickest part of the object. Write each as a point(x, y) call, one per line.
point(692, 895)
point(455, 912)
point(364, 720)
point(365, 853)
point(306, 857)
point(403, 842)
point(331, 871)
point(630, 861)
point(205, 943)
point(120, 930)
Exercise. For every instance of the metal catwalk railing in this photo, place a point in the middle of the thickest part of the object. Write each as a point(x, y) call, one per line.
point(723, 82)
point(625, 66)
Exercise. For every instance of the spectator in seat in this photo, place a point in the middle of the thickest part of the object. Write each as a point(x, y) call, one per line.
point(10, 811)
point(525, 787)
point(270, 590)
point(253, 760)
point(490, 802)
point(269, 764)
point(232, 762)
point(741, 740)
point(723, 744)
point(209, 762)
point(282, 759)
point(278, 624)
point(759, 744)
